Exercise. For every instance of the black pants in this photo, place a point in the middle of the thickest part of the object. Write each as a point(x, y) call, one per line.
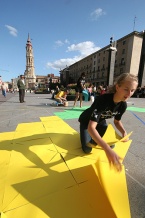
point(21, 95)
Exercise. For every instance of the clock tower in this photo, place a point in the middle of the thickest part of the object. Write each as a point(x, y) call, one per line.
point(30, 78)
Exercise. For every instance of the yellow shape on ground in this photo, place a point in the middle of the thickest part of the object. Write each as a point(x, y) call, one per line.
point(44, 173)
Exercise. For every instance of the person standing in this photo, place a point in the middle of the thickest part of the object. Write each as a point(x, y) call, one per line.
point(79, 89)
point(91, 93)
point(113, 104)
point(4, 89)
point(21, 87)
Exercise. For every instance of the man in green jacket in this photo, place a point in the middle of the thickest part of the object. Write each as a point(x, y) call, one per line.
point(21, 87)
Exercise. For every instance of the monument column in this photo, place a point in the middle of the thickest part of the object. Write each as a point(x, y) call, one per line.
point(30, 78)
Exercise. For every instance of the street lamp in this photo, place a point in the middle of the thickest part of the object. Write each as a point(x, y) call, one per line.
point(111, 61)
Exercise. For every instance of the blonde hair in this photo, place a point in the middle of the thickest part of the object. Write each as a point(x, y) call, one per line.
point(121, 79)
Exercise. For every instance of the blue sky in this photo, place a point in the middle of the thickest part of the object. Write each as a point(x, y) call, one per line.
point(61, 31)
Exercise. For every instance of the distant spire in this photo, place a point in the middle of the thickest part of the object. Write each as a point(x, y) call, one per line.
point(134, 23)
point(28, 40)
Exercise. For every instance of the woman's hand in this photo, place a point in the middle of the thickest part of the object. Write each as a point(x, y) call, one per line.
point(114, 159)
point(123, 135)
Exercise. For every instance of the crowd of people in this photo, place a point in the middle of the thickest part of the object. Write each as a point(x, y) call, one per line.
point(83, 91)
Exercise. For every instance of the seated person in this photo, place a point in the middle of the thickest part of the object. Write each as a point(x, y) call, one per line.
point(61, 96)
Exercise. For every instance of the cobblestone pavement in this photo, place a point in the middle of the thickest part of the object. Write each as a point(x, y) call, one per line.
point(38, 105)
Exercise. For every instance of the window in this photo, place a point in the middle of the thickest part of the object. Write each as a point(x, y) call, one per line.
point(123, 51)
point(121, 70)
point(122, 61)
point(124, 42)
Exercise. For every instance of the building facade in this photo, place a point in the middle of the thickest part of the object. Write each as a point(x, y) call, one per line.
point(124, 55)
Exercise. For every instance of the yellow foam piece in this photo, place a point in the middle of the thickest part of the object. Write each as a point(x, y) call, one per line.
point(112, 137)
point(6, 135)
point(44, 173)
point(115, 188)
point(35, 126)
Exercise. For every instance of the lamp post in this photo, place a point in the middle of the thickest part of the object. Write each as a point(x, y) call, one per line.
point(111, 61)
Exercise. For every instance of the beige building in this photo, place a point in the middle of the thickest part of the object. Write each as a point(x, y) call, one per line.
point(44, 81)
point(124, 55)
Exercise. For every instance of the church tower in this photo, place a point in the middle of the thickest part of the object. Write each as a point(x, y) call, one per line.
point(30, 78)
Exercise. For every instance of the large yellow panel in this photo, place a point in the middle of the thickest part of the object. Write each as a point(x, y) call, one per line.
point(44, 173)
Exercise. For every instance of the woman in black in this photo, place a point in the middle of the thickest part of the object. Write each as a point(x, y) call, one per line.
point(93, 120)
point(79, 88)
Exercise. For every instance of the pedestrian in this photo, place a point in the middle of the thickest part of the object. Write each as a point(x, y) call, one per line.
point(4, 89)
point(91, 92)
point(79, 89)
point(93, 123)
point(101, 90)
point(21, 87)
point(56, 91)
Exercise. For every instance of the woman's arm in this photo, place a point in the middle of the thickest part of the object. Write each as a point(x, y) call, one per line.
point(113, 158)
point(120, 127)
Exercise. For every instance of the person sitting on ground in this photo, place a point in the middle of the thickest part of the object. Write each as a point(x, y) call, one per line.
point(61, 97)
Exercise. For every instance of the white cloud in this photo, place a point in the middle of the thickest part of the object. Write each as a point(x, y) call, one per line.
point(62, 63)
point(84, 49)
point(97, 13)
point(60, 43)
point(67, 41)
point(13, 31)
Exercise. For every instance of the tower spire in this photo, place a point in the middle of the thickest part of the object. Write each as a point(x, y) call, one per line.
point(134, 22)
point(30, 77)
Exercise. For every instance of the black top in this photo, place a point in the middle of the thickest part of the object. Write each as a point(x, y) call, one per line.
point(80, 81)
point(103, 108)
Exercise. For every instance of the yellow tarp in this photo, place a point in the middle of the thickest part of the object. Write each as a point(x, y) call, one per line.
point(44, 173)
